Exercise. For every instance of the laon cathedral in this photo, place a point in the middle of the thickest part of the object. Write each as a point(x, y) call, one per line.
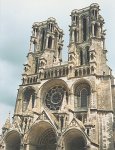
point(65, 105)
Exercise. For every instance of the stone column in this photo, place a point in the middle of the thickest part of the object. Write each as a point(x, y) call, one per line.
point(46, 46)
point(21, 147)
point(60, 56)
point(59, 145)
point(31, 147)
point(30, 49)
point(99, 30)
point(21, 144)
point(27, 147)
point(72, 37)
point(52, 47)
point(87, 26)
point(34, 47)
point(80, 29)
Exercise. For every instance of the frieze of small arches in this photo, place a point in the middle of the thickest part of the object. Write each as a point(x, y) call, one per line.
point(82, 116)
point(30, 80)
point(84, 71)
point(54, 73)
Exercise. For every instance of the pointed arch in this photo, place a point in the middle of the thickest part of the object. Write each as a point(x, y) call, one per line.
point(82, 93)
point(28, 95)
point(79, 92)
point(84, 55)
point(12, 140)
point(43, 39)
point(87, 56)
point(59, 52)
point(36, 64)
point(81, 57)
point(84, 97)
point(75, 36)
point(95, 30)
point(76, 73)
point(42, 135)
point(84, 28)
point(50, 42)
point(74, 139)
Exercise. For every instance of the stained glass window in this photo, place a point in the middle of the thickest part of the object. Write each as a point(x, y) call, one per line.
point(29, 94)
point(82, 93)
point(54, 97)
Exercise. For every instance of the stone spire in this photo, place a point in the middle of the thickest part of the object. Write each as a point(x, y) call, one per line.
point(7, 124)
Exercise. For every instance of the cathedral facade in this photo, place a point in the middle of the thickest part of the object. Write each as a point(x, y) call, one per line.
point(65, 105)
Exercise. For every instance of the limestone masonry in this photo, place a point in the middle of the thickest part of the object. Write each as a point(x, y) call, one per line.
point(65, 105)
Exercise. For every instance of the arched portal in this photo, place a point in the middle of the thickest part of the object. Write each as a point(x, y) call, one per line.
point(12, 141)
point(74, 140)
point(42, 137)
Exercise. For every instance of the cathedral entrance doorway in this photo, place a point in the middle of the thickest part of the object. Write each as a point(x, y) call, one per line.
point(74, 140)
point(13, 141)
point(42, 137)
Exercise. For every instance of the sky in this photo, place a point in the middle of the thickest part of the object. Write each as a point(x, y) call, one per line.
point(16, 19)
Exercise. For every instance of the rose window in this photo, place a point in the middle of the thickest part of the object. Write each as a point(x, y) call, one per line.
point(54, 97)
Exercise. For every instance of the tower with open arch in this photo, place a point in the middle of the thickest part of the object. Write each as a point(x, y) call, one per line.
point(65, 105)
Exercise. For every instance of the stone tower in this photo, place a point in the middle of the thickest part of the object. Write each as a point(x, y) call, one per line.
point(65, 106)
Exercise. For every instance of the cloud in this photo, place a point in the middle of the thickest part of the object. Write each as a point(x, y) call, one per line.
point(9, 80)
